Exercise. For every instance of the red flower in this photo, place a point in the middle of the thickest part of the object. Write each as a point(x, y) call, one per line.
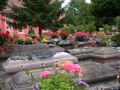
point(1, 51)
point(7, 32)
point(6, 35)
point(93, 45)
point(5, 48)
point(12, 39)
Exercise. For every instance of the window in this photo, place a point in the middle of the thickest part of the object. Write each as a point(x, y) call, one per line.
point(20, 30)
point(8, 27)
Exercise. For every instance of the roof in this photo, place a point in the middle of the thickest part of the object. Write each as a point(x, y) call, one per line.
point(10, 4)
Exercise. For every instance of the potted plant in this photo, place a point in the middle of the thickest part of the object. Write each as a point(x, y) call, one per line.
point(63, 34)
point(81, 36)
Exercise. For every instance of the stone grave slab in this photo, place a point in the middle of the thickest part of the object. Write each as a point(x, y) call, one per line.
point(105, 54)
point(27, 48)
point(93, 72)
point(81, 53)
point(96, 72)
point(12, 66)
point(66, 44)
point(80, 50)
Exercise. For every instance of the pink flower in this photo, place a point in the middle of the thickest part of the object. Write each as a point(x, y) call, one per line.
point(45, 74)
point(76, 68)
point(94, 35)
point(72, 67)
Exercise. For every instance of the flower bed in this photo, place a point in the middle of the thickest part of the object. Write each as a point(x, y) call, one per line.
point(6, 45)
point(66, 76)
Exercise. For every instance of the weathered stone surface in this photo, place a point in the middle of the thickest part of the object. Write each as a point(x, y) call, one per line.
point(105, 54)
point(105, 50)
point(106, 85)
point(114, 64)
point(16, 65)
point(27, 48)
point(91, 71)
point(83, 56)
point(66, 44)
point(80, 51)
point(94, 71)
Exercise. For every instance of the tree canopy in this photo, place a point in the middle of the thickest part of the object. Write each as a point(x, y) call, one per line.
point(105, 8)
point(3, 3)
point(77, 13)
point(42, 13)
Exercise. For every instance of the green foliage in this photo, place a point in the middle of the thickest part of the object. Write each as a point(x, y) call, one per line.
point(27, 42)
point(90, 27)
point(77, 13)
point(3, 3)
point(39, 13)
point(105, 8)
point(103, 38)
point(58, 81)
point(87, 27)
point(107, 28)
point(19, 42)
point(116, 37)
point(117, 21)
point(81, 28)
point(31, 33)
point(69, 28)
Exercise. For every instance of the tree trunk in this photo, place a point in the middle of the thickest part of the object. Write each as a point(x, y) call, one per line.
point(40, 32)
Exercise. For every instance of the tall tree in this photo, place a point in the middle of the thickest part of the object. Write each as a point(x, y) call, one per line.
point(77, 13)
point(42, 13)
point(105, 8)
point(3, 3)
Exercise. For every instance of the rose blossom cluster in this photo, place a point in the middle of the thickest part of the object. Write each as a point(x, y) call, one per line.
point(45, 74)
point(72, 68)
point(75, 68)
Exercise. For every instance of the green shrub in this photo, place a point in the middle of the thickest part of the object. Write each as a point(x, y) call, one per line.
point(116, 38)
point(90, 27)
point(107, 28)
point(87, 27)
point(33, 36)
point(59, 81)
point(103, 38)
point(19, 41)
point(28, 41)
point(117, 21)
point(69, 28)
